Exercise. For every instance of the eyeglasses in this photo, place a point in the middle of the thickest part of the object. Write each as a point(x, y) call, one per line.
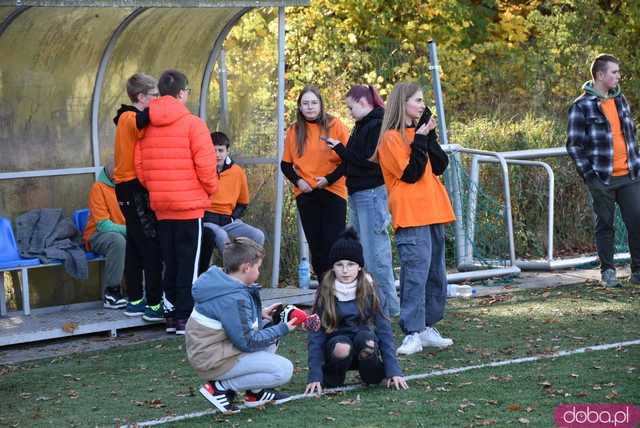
point(153, 94)
point(187, 90)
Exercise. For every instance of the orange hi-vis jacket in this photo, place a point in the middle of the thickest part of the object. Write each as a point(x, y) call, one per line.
point(318, 159)
point(422, 203)
point(176, 161)
point(233, 189)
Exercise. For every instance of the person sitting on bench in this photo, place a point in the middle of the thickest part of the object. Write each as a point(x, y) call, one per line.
point(222, 220)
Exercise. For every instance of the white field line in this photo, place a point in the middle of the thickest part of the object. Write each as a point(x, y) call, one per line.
point(352, 387)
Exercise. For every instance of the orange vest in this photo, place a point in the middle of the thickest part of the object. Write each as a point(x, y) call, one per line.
point(318, 159)
point(126, 136)
point(422, 203)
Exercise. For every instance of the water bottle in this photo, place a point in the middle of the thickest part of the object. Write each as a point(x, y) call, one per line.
point(304, 273)
point(454, 290)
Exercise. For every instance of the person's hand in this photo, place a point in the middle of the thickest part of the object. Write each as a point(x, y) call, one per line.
point(321, 182)
point(291, 324)
point(313, 387)
point(304, 186)
point(331, 142)
point(267, 313)
point(398, 382)
point(427, 127)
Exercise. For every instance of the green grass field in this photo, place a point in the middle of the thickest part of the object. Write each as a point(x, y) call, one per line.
point(148, 381)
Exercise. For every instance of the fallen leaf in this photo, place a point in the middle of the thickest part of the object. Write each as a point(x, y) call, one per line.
point(487, 422)
point(613, 394)
point(529, 409)
point(514, 407)
point(70, 327)
point(545, 384)
point(329, 418)
point(574, 375)
point(523, 420)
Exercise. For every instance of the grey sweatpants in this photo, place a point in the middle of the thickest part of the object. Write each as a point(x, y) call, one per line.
point(223, 234)
point(258, 370)
point(112, 246)
point(423, 276)
point(626, 193)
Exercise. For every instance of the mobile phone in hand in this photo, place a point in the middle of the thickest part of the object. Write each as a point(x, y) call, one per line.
point(426, 115)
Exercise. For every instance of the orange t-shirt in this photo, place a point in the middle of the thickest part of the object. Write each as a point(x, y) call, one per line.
point(232, 190)
point(318, 159)
point(127, 134)
point(103, 205)
point(620, 156)
point(422, 203)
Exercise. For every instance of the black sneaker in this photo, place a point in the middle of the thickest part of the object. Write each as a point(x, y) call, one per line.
point(113, 299)
point(180, 326)
point(265, 396)
point(170, 322)
point(220, 398)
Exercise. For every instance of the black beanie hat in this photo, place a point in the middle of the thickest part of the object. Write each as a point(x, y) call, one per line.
point(347, 247)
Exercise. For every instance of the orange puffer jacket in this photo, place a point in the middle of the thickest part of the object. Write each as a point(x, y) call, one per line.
point(176, 161)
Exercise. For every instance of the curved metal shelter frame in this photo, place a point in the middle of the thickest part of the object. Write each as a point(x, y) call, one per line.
point(36, 146)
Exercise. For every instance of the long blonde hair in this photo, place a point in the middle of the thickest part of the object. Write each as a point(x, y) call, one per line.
point(366, 300)
point(395, 114)
point(324, 119)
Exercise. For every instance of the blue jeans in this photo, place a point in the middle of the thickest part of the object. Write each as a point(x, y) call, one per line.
point(423, 276)
point(369, 215)
point(258, 370)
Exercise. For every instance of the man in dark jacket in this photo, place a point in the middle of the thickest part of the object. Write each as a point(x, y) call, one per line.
point(601, 139)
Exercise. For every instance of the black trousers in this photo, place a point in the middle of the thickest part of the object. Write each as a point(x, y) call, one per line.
point(370, 367)
point(143, 248)
point(180, 243)
point(208, 244)
point(323, 215)
point(626, 193)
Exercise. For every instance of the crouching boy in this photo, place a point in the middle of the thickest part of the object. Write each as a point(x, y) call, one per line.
point(225, 339)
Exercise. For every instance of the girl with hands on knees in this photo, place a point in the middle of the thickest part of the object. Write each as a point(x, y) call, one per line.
point(355, 332)
point(317, 174)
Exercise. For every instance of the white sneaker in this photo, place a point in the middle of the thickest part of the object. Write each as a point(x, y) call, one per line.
point(431, 337)
point(410, 344)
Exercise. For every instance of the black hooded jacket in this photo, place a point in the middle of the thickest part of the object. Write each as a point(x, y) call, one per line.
point(361, 173)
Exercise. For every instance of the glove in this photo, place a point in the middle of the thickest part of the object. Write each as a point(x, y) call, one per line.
point(289, 312)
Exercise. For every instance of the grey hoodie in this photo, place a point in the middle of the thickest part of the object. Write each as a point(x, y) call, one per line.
point(220, 297)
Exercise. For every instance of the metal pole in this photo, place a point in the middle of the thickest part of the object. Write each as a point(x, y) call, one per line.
point(224, 93)
point(97, 88)
point(213, 57)
point(437, 91)
point(277, 227)
point(452, 176)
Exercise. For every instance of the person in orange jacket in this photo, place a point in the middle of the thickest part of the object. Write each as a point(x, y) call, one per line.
point(176, 162)
point(420, 207)
point(317, 175)
point(106, 234)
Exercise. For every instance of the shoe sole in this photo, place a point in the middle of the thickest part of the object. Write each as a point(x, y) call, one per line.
point(133, 314)
point(170, 330)
point(220, 408)
point(180, 332)
point(110, 306)
point(254, 404)
point(409, 353)
point(436, 346)
point(152, 319)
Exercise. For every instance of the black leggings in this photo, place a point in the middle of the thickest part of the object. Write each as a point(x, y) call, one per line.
point(323, 215)
point(361, 357)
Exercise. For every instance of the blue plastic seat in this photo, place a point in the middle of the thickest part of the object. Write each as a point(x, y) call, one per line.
point(9, 256)
point(80, 219)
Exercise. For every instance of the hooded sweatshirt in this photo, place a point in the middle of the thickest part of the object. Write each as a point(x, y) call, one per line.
point(104, 212)
point(176, 161)
point(225, 323)
point(361, 173)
